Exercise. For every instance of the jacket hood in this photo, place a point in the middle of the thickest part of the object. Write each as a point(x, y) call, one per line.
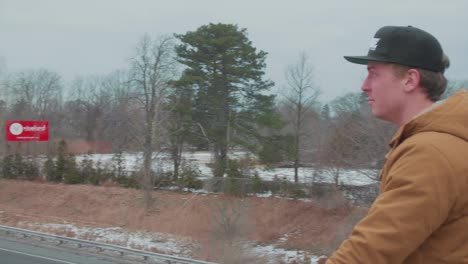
point(451, 117)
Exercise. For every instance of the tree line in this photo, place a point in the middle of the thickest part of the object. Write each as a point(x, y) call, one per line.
point(202, 90)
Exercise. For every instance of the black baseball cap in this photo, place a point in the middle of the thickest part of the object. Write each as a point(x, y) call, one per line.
point(409, 46)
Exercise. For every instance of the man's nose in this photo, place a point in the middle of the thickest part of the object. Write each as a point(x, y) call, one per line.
point(365, 85)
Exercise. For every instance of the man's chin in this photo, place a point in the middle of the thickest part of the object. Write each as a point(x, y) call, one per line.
point(377, 114)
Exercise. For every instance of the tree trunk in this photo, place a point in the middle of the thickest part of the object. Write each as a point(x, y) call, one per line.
point(147, 157)
point(296, 169)
point(337, 176)
point(220, 160)
point(296, 156)
point(297, 142)
point(176, 164)
point(176, 153)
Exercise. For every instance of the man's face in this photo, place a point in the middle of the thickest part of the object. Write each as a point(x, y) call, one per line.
point(384, 91)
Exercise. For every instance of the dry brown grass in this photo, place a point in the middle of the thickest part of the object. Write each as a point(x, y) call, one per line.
point(231, 224)
point(307, 225)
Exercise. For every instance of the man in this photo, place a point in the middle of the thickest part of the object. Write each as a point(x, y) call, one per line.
point(421, 214)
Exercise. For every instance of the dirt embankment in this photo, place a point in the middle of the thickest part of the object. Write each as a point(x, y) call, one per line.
point(293, 224)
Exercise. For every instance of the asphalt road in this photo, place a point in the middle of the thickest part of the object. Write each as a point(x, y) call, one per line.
point(15, 252)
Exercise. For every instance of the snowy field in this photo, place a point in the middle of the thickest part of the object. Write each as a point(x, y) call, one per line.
point(162, 162)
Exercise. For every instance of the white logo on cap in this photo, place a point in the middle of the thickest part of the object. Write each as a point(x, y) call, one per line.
point(16, 129)
point(374, 43)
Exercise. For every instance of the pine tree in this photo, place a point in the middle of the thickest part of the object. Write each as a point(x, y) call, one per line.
point(9, 169)
point(65, 166)
point(61, 162)
point(71, 174)
point(88, 173)
point(50, 171)
point(119, 164)
point(226, 73)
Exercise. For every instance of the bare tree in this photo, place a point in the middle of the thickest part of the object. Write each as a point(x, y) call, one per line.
point(230, 231)
point(122, 113)
point(3, 114)
point(354, 138)
point(91, 101)
point(3, 103)
point(35, 94)
point(37, 90)
point(372, 136)
point(338, 150)
point(3, 70)
point(301, 98)
point(152, 70)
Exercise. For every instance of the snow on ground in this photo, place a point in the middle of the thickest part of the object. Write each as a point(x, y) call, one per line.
point(200, 160)
point(306, 175)
point(315, 259)
point(275, 253)
point(163, 243)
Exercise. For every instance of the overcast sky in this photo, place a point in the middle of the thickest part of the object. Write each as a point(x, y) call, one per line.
point(81, 37)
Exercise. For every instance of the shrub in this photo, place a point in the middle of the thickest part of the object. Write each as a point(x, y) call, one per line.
point(276, 149)
point(258, 186)
point(216, 168)
point(50, 171)
point(15, 167)
point(162, 179)
point(104, 173)
point(188, 177)
point(88, 172)
point(64, 168)
point(30, 170)
point(241, 168)
point(10, 167)
point(234, 169)
point(119, 164)
point(128, 181)
point(233, 186)
point(298, 192)
point(334, 200)
point(318, 191)
point(72, 176)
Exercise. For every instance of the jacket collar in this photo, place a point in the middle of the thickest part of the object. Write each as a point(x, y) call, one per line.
point(421, 120)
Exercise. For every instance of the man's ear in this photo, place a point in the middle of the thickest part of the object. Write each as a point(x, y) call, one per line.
point(412, 80)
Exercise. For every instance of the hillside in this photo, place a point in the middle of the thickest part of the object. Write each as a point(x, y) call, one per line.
point(200, 223)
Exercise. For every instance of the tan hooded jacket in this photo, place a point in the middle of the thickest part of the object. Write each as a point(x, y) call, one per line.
point(421, 214)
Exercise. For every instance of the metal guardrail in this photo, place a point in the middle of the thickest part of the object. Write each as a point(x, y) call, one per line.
point(102, 246)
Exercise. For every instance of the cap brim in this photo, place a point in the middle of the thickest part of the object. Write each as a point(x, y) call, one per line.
point(364, 59)
point(358, 59)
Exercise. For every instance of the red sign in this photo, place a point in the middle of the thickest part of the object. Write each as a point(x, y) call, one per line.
point(17, 130)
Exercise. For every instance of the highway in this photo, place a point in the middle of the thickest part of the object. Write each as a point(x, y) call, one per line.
point(16, 252)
